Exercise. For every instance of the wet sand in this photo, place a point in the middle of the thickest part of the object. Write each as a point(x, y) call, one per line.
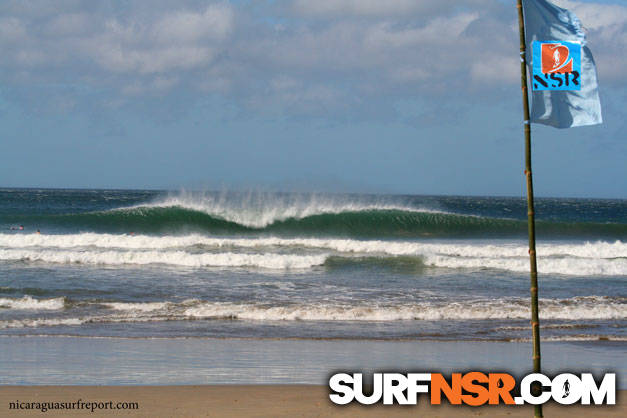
point(257, 401)
point(248, 377)
point(209, 361)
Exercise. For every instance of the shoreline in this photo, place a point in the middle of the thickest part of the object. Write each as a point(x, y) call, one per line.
point(430, 340)
point(36, 360)
point(427, 340)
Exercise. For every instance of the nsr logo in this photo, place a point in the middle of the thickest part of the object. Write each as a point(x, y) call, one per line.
point(556, 65)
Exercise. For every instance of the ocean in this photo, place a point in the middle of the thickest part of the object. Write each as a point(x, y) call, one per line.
point(259, 265)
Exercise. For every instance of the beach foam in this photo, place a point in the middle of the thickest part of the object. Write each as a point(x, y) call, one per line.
point(565, 265)
point(30, 303)
point(576, 337)
point(177, 258)
point(574, 309)
point(588, 258)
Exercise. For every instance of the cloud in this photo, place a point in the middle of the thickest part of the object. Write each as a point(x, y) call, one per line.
point(174, 40)
point(69, 24)
point(315, 56)
point(377, 8)
point(11, 29)
point(606, 27)
point(215, 22)
point(361, 7)
point(178, 41)
point(181, 40)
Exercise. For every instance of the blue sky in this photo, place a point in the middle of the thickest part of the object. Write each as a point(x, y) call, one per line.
point(334, 95)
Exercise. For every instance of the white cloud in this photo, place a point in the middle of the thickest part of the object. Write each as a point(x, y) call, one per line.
point(359, 7)
point(181, 40)
point(491, 69)
point(11, 29)
point(118, 57)
point(378, 8)
point(174, 40)
point(595, 16)
point(606, 27)
point(387, 36)
point(312, 54)
point(70, 24)
point(216, 22)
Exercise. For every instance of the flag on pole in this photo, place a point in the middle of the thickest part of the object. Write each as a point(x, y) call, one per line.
point(563, 75)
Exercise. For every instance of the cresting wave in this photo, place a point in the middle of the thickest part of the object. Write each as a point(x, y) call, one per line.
point(577, 308)
point(350, 220)
point(260, 210)
point(590, 258)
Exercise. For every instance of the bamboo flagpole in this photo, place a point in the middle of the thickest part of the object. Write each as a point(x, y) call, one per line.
point(565, 95)
point(535, 321)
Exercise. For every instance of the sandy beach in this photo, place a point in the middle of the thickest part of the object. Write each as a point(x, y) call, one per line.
point(213, 377)
point(255, 401)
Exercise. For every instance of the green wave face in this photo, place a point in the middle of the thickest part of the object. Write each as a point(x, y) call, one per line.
point(374, 223)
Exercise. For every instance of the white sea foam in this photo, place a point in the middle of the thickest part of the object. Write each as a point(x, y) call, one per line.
point(573, 309)
point(41, 322)
point(177, 258)
point(592, 250)
point(30, 303)
point(478, 310)
point(577, 337)
point(137, 307)
point(567, 265)
point(590, 258)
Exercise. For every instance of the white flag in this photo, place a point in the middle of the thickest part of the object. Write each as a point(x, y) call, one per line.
point(563, 75)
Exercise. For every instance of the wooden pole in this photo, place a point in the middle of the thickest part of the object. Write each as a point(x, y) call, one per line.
point(535, 322)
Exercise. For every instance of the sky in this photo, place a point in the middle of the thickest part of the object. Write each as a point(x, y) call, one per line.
point(367, 96)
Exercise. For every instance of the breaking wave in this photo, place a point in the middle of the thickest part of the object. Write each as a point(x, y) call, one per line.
point(195, 250)
point(174, 258)
point(312, 218)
